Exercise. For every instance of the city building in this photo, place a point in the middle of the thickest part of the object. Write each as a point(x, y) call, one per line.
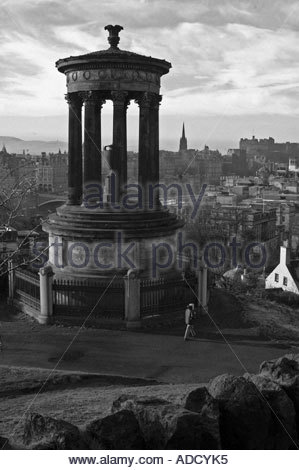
point(51, 172)
point(274, 151)
point(44, 174)
point(285, 215)
point(194, 166)
point(238, 162)
point(209, 166)
point(247, 222)
point(294, 166)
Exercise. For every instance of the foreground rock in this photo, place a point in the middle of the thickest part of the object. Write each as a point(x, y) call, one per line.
point(282, 432)
point(245, 420)
point(4, 444)
point(165, 425)
point(43, 432)
point(285, 372)
point(201, 401)
point(118, 431)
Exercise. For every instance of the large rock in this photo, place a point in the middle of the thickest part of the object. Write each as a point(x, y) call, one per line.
point(117, 431)
point(165, 425)
point(201, 401)
point(4, 444)
point(244, 417)
point(43, 432)
point(285, 372)
point(282, 432)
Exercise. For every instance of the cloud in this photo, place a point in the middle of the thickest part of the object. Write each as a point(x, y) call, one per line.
point(228, 56)
point(244, 68)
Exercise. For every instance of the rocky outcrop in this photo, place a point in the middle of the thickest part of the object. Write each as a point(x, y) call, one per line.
point(117, 431)
point(255, 411)
point(201, 401)
point(165, 425)
point(285, 372)
point(282, 432)
point(244, 417)
point(43, 432)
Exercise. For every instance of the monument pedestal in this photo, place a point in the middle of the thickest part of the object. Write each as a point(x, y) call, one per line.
point(90, 244)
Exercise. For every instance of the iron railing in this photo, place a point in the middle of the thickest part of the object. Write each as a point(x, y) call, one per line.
point(158, 296)
point(87, 298)
point(26, 288)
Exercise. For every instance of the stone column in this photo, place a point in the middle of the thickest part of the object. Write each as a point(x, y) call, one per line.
point(50, 294)
point(92, 167)
point(75, 149)
point(144, 176)
point(125, 155)
point(119, 146)
point(46, 296)
point(148, 163)
point(154, 143)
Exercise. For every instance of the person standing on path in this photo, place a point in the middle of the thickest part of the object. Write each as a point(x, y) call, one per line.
point(188, 321)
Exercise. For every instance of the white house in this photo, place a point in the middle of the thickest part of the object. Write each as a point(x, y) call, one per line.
point(285, 276)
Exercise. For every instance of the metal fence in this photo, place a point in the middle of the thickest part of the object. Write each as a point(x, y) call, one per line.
point(74, 301)
point(79, 299)
point(160, 296)
point(26, 288)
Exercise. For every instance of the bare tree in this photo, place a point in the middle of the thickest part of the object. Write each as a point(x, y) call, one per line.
point(17, 191)
point(14, 191)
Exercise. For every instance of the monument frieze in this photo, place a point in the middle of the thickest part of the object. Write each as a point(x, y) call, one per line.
point(111, 74)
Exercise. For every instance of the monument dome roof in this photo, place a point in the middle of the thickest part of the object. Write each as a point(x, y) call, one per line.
point(112, 55)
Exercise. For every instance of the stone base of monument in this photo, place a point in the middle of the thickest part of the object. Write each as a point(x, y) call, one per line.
point(100, 259)
point(104, 243)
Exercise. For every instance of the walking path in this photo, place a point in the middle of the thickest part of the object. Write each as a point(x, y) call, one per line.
point(162, 357)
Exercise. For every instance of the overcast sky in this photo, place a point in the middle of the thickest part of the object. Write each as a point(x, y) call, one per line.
point(235, 64)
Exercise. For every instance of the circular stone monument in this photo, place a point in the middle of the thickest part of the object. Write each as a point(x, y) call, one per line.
point(90, 233)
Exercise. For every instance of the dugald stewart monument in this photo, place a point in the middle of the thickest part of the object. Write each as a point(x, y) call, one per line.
point(99, 216)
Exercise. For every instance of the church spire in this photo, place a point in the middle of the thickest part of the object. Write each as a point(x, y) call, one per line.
point(183, 140)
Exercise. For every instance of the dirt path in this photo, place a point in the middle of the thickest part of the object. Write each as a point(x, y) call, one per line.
point(122, 353)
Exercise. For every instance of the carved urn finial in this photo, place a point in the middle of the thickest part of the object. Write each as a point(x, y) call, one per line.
point(113, 38)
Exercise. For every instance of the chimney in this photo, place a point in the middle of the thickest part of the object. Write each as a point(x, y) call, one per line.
point(284, 255)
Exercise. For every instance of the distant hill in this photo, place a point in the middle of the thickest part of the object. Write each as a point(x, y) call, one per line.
point(10, 139)
point(34, 147)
